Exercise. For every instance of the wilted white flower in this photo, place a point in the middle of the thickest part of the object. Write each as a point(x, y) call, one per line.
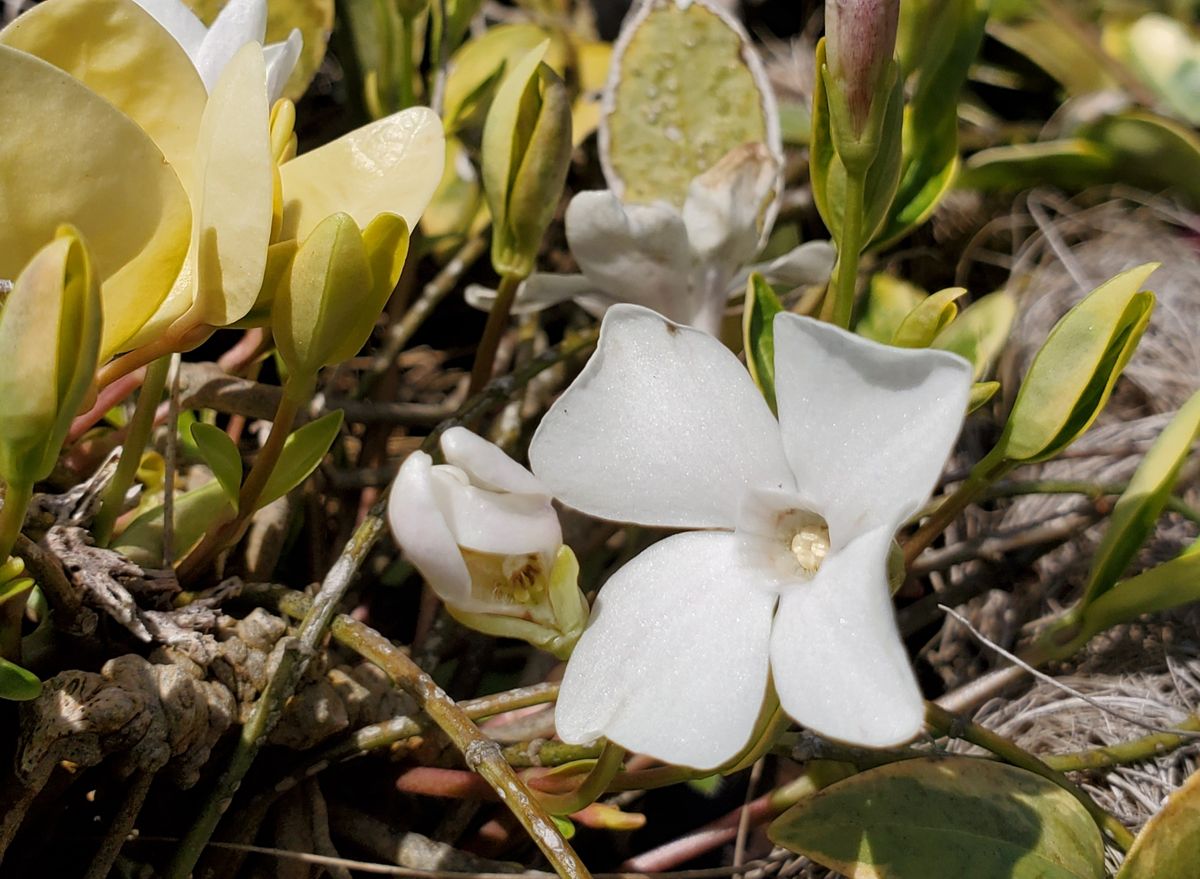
point(211, 48)
point(683, 264)
point(483, 533)
point(664, 428)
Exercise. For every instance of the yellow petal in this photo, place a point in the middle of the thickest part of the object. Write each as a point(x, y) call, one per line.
point(68, 156)
point(233, 193)
point(392, 165)
point(120, 52)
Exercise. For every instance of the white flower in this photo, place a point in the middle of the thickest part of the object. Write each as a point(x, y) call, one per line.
point(664, 428)
point(683, 264)
point(211, 48)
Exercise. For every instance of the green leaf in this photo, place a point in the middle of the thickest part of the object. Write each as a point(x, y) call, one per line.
point(195, 512)
point(1166, 847)
point(978, 334)
point(1139, 506)
point(758, 334)
point(889, 300)
point(477, 67)
point(687, 87)
point(1166, 586)
point(922, 325)
point(945, 818)
point(302, 452)
point(18, 684)
point(1073, 373)
point(221, 455)
point(1150, 152)
point(943, 40)
point(1073, 163)
point(981, 392)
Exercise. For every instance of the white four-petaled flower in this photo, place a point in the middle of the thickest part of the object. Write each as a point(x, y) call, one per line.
point(788, 575)
point(684, 264)
point(211, 48)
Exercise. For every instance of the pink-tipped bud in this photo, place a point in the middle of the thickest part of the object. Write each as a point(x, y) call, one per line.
point(860, 40)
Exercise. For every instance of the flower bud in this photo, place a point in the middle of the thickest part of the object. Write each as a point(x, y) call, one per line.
point(526, 151)
point(482, 531)
point(860, 41)
point(50, 332)
point(338, 283)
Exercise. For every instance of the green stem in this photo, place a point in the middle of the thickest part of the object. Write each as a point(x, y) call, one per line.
point(385, 82)
point(591, 788)
point(982, 475)
point(1135, 751)
point(12, 607)
point(405, 75)
point(482, 755)
point(849, 249)
point(497, 322)
point(137, 435)
point(959, 728)
point(295, 392)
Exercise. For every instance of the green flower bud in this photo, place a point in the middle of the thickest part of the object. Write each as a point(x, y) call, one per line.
point(526, 151)
point(50, 334)
point(338, 283)
point(860, 41)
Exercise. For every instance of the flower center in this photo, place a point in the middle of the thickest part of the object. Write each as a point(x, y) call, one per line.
point(806, 536)
point(506, 579)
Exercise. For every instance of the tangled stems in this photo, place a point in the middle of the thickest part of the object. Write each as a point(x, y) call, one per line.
point(955, 727)
point(320, 614)
point(982, 475)
point(136, 438)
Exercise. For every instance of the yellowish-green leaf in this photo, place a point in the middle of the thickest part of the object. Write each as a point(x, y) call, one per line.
point(302, 452)
point(68, 156)
point(354, 312)
point(509, 123)
point(981, 392)
point(1073, 374)
point(923, 324)
point(1072, 163)
point(314, 18)
point(310, 311)
point(120, 52)
point(1166, 847)
point(221, 455)
point(978, 334)
point(1139, 506)
point(457, 210)
point(686, 88)
point(18, 684)
point(50, 330)
point(232, 197)
point(392, 165)
point(476, 68)
point(945, 818)
point(889, 300)
point(1056, 50)
point(758, 334)
point(1150, 152)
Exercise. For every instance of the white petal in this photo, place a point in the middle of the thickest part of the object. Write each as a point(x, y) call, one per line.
point(839, 665)
point(281, 61)
point(539, 291)
point(673, 663)
point(421, 532)
point(495, 522)
point(634, 253)
point(239, 22)
point(867, 427)
point(487, 465)
point(810, 263)
point(663, 427)
point(179, 21)
point(724, 203)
